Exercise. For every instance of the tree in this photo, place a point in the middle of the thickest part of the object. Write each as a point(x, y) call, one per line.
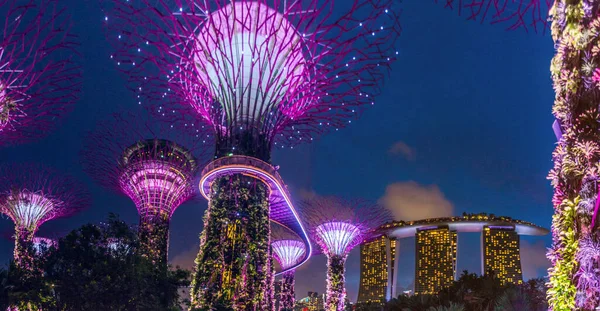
point(100, 268)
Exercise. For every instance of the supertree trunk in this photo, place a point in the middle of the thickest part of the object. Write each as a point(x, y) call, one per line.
point(24, 253)
point(575, 253)
point(287, 297)
point(232, 265)
point(336, 293)
point(269, 301)
point(154, 238)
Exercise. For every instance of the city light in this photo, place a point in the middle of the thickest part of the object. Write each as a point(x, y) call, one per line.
point(288, 252)
point(337, 238)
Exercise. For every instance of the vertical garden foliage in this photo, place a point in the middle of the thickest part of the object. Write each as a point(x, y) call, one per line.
point(232, 265)
point(154, 238)
point(287, 296)
point(575, 253)
point(336, 292)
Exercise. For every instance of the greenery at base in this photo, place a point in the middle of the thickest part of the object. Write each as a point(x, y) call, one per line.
point(94, 268)
point(232, 264)
point(472, 293)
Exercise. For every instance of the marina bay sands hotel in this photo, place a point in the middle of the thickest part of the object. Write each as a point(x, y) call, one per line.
point(436, 249)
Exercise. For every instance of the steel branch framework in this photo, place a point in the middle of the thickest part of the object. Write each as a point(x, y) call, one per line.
point(272, 72)
point(337, 226)
point(39, 80)
point(517, 14)
point(32, 194)
point(154, 164)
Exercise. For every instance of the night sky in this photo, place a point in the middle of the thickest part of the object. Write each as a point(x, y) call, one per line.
point(463, 125)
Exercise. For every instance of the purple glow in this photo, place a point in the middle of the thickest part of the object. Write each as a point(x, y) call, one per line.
point(29, 210)
point(288, 252)
point(282, 208)
point(39, 242)
point(284, 70)
point(156, 186)
point(39, 81)
point(338, 238)
point(33, 194)
point(251, 48)
point(150, 162)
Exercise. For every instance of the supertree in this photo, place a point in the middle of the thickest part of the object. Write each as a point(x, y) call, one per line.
point(288, 253)
point(30, 195)
point(39, 80)
point(261, 74)
point(152, 163)
point(337, 226)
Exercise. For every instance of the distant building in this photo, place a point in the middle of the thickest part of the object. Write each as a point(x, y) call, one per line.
point(377, 270)
point(500, 253)
point(436, 250)
point(313, 302)
point(435, 259)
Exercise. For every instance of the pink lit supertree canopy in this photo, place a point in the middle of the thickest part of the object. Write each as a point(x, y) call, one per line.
point(260, 74)
point(153, 164)
point(31, 195)
point(337, 226)
point(39, 81)
point(288, 250)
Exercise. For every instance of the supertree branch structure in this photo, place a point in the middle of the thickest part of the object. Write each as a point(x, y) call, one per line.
point(32, 194)
point(516, 14)
point(39, 79)
point(151, 163)
point(288, 253)
point(575, 256)
point(337, 226)
point(260, 74)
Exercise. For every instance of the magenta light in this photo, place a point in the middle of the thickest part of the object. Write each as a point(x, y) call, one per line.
point(39, 243)
point(338, 238)
point(39, 81)
point(149, 161)
point(288, 252)
point(281, 70)
point(33, 194)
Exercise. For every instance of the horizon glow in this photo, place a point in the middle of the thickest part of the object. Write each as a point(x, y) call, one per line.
point(288, 252)
point(337, 238)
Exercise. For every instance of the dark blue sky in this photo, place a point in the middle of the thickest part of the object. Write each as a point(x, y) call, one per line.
point(471, 103)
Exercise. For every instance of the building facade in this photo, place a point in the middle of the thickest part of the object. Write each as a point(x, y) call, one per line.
point(501, 253)
point(378, 270)
point(435, 259)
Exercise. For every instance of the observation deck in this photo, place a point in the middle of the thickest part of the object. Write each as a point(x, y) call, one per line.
point(465, 223)
point(282, 210)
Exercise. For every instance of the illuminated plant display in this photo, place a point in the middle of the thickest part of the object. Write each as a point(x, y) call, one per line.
point(288, 253)
point(574, 281)
point(260, 74)
point(39, 81)
point(32, 194)
point(150, 162)
point(337, 226)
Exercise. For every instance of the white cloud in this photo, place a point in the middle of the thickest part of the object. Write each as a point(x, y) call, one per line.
point(400, 148)
point(533, 259)
point(412, 201)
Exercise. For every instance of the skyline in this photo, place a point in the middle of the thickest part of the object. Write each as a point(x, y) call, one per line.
point(504, 167)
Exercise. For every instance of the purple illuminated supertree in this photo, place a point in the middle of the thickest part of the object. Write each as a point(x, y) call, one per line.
point(32, 194)
point(39, 81)
point(150, 162)
point(337, 226)
point(288, 253)
point(261, 74)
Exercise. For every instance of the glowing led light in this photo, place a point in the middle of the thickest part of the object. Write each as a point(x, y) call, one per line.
point(337, 237)
point(288, 252)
